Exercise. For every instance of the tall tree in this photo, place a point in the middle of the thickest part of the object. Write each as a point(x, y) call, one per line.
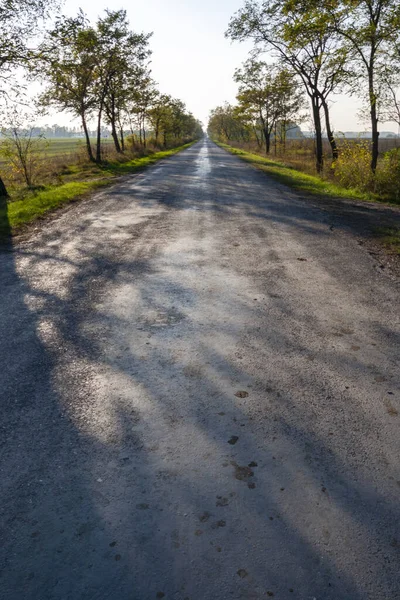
point(226, 123)
point(269, 92)
point(67, 61)
point(158, 114)
point(258, 92)
point(120, 53)
point(371, 28)
point(305, 44)
point(20, 21)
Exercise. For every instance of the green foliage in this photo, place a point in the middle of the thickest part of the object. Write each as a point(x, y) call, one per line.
point(269, 99)
point(101, 71)
point(352, 168)
point(301, 36)
point(22, 151)
point(387, 177)
point(229, 123)
point(20, 22)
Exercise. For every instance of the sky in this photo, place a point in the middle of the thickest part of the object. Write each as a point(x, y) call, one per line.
point(191, 58)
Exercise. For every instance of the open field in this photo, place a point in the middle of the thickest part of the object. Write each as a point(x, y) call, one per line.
point(58, 147)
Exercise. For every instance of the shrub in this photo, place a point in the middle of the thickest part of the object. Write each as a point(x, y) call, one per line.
point(353, 167)
point(388, 175)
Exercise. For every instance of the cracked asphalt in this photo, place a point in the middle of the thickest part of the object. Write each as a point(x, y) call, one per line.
point(200, 397)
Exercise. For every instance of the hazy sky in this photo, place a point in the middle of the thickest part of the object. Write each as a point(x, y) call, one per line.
point(191, 58)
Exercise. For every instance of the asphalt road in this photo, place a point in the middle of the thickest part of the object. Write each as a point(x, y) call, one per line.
point(200, 397)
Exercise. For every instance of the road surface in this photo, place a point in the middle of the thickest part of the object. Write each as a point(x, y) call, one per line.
point(200, 397)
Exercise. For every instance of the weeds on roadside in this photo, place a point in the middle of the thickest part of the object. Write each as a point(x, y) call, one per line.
point(349, 176)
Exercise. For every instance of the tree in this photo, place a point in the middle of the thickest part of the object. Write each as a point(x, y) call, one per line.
point(68, 63)
point(19, 23)
point(304, 42)
point(390, 99)
point(258, 94)
point(291, 105)
point(226, 123)
point(21, 147)
point(120, 56)
point(139, 105)
point(371, 28)
point(270, 94)
point(158, 114)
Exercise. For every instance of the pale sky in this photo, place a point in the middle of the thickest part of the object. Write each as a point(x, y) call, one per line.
point(191, 58)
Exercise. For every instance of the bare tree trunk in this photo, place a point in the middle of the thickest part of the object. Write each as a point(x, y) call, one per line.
point(122, 137)
point(5, 227)
point(115, 136)
point(98, 142)
point(284, 130)
point(267, 137)
point(374, 119)
point(329, 132)
point(259, 139)
point(87, 138)
point(3, 189)
point(319, 153)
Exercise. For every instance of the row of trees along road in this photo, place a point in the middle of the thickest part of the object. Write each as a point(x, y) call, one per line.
point(93, 72)
point(331, 46)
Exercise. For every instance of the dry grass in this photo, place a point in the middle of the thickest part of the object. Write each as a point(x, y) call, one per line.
point(300, 153)
point(66, 177)
point(350, 172)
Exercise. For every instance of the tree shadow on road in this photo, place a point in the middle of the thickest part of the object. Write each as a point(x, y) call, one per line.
point(121, 478)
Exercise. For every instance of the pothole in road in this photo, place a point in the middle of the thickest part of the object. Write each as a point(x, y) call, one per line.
point(242, 394)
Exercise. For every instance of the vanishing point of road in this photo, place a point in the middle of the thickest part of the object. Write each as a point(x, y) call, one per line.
point(200, 397)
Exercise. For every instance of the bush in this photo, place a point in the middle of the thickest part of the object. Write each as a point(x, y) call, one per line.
point(388, 175)
point(353, 167)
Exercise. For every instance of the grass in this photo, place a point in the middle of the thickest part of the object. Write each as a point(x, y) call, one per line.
point(298, 180)
point(137, 164)
point(30, 205)
point(390, 237)
point(36, 204)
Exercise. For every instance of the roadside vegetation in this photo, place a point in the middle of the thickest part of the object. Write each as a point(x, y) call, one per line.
point(299, 180)
point(29, 204)
point(304, 52)
point(97, 74)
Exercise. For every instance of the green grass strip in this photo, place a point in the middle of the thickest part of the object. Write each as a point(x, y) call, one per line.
point(37, 204)
point(137, 164)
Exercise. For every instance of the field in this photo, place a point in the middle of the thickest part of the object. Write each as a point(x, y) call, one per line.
point(65, 147)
